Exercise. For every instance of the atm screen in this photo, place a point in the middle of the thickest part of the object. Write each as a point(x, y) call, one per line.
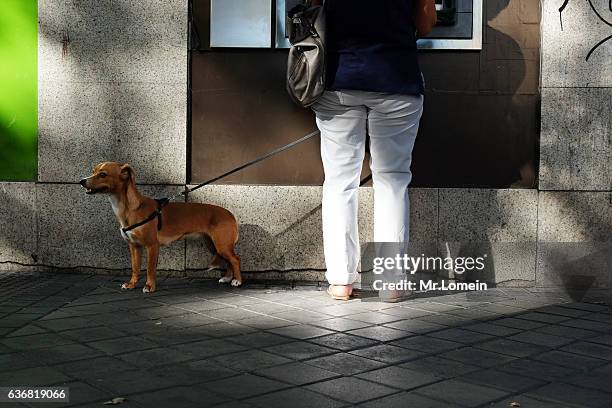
point(447, 12)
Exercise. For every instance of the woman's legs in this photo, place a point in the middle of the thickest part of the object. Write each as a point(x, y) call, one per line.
point(342, 123)
point(393, 123)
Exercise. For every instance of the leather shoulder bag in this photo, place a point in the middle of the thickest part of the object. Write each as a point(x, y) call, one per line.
point(306, 62)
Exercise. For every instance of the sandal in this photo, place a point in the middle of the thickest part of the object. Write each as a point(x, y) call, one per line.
point(331, 293)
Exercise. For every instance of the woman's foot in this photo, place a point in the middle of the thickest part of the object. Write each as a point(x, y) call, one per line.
point(340, 292)
point(394, 296)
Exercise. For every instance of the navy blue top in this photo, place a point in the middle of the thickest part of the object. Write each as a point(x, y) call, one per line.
point(372, 46)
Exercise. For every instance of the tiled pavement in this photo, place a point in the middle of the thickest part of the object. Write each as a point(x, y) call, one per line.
point(195, 344)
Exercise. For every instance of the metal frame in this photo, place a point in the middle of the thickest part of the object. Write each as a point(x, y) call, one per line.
point(281, 40)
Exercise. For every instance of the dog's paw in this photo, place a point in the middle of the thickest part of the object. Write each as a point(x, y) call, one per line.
point(225, 279)
point(128, 286)
point(148, 288)
point(236, 283)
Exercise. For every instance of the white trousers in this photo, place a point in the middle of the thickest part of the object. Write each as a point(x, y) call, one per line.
point(392, 121)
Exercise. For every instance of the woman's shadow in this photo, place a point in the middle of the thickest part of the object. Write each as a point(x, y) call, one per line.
point(508, 86)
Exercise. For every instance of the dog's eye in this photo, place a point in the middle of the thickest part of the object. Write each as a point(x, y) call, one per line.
point(102, 175)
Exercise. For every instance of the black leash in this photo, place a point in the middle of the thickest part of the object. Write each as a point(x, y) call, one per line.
point(161, 202)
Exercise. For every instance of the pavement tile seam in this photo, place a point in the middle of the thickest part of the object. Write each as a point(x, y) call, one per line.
point(56, 305)
point(492, 385)
point(168, 364)
point(604, 361)
point(484, 404)
point(550, 349)
point(569, 381)
point(265, 348)
point(556, 399)
point(348, 402)
point(392, 392)
point(232, 322)
point(377, 364)
point(302, 384)
point(94, 401)
point(129, 396)
point(438, 380)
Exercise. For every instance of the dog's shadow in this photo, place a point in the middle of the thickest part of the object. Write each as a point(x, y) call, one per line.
point(256, 247)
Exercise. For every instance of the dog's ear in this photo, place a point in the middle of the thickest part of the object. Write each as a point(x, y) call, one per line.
point(127, 173)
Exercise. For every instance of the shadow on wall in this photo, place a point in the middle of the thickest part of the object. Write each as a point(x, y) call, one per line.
point(479, 127)
point(575, 248)
point(18, 241)
point(106, 90)
point(516, 114)
point(575, 239)
point(293, 248)
point(256, 247)
point(496, 109)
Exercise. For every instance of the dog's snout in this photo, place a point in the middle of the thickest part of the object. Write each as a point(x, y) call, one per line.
point(83, 182)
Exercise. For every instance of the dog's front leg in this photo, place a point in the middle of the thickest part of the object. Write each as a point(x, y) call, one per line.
point(152, 254)
point(136, 256)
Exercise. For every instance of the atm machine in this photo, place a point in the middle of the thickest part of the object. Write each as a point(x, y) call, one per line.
point(250, 24)
point(237, 76)
point(446, 12)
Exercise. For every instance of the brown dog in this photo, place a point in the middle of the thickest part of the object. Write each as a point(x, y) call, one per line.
point(179, 220)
